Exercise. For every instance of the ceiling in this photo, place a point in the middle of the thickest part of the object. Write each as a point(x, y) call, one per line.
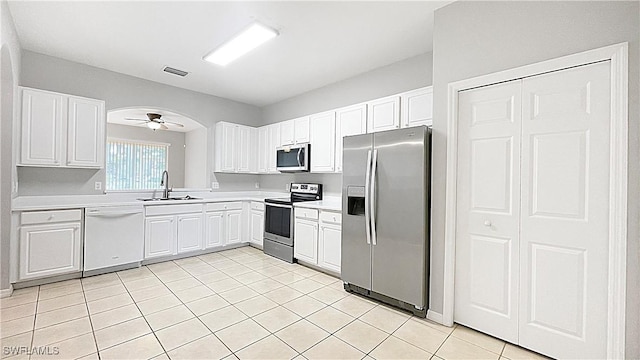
point(319, 43)
point(119, 116)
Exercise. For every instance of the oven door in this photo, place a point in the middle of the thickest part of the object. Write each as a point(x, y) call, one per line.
point(292, 158)
point(277, 223)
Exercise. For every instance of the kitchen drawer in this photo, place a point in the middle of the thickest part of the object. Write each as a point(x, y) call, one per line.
point(49, 217)
point(302, 213)
point(172, 209)
point(234, 205)
point(255, 205)
point(331, 217)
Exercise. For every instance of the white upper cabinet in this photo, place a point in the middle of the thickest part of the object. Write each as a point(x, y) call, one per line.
point(85, 131)
point(323, 128)
point(274, 143)
point(294, 131)
point(383, 114)
point(225, 147)
point(246, 149)
point(301, 130)
point(263, 149)
point(287, 133)
point(417, 107)
point(235, 148)
point(350, 120)
point(59, 130)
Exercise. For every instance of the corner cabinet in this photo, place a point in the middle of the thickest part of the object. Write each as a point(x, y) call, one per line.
point(60, 130)
point(236, 147)
point(50, 243)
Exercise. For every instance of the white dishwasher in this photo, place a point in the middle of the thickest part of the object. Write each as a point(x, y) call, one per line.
point(113, 235)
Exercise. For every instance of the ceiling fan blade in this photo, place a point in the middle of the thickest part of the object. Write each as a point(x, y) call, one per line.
point(163, 127)
point(173, 123)
point(131, 119)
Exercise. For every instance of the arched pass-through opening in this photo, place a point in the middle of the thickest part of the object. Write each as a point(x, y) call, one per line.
point(187, 139)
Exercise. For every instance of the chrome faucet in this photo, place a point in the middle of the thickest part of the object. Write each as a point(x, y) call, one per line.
point(165, 182)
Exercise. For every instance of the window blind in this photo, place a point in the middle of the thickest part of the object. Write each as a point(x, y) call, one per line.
point(134, 165)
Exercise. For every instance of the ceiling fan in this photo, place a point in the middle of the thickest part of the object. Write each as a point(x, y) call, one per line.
point(155, 122)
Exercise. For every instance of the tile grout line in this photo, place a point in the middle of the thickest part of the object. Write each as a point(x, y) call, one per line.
point(143, 317)
point(93, 331)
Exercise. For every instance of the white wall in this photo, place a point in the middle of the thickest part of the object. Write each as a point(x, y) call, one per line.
point(475, 38)
point(408, 74)
point(119, 91)
point(195, 159)
point(10, 59)
point(395, 78)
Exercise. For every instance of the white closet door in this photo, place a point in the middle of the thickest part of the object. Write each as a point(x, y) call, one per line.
point(486, 274)
point(565, 207)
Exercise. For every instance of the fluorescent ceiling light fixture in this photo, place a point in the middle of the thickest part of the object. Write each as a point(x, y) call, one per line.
point(154, 125)
point(250, 38)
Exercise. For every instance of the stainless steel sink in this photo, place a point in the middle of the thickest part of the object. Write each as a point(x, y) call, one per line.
point(172, 198)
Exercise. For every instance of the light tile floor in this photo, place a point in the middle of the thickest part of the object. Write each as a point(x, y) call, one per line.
point(233, 304)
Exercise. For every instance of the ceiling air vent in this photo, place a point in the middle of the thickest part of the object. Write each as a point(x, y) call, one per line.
point(173, 71)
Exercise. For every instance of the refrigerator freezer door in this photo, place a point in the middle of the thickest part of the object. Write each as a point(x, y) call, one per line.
point(356, 252)
point(399, 255)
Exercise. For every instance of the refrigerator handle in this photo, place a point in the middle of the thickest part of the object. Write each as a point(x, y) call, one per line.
point(372, 201)
point(367, 181)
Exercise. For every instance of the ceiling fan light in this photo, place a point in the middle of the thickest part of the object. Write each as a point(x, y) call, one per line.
point(154, 125)
point(248, 39)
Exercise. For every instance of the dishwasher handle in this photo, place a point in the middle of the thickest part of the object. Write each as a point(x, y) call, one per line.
point(115, 213)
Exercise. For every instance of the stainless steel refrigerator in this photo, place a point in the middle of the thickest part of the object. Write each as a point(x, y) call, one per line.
point(385, 223)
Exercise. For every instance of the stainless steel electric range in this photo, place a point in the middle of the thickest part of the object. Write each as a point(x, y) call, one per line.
point(278, 220)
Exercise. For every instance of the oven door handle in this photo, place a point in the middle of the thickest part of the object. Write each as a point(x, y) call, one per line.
point(279, 205)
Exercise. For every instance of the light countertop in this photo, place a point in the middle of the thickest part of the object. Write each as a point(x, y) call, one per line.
point(24, 203)
point(330, 203)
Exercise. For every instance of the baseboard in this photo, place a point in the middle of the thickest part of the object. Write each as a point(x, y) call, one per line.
point(6, 292)
point(435, 317)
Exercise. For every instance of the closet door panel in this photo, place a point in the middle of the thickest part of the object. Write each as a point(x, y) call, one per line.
point(488, 209)
point(565, 207)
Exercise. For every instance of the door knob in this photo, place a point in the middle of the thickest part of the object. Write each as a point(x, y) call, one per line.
point(487, 223)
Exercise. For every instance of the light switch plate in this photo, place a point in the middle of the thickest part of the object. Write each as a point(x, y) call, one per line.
point(215, 185)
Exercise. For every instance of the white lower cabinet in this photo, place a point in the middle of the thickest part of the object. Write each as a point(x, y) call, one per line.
point(214, 233)
point(317, 238)
point(305, 244)
point(256, 223)
point(159, 236)
point(330, 241)
point(189, 232)
point(172, 229)
point(50, 243)
point(224, 224)
point(234, 226)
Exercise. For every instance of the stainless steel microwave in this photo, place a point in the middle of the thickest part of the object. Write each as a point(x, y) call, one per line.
point(293, 158)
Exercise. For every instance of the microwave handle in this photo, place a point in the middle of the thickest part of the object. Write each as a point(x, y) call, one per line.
point(298, 157)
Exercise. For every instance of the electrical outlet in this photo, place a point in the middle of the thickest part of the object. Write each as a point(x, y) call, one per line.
point(98, 185)
point(287, 186)
point(215, 185)
point(257, 185)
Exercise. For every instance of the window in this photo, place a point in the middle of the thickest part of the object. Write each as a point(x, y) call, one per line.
point(135, 165)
